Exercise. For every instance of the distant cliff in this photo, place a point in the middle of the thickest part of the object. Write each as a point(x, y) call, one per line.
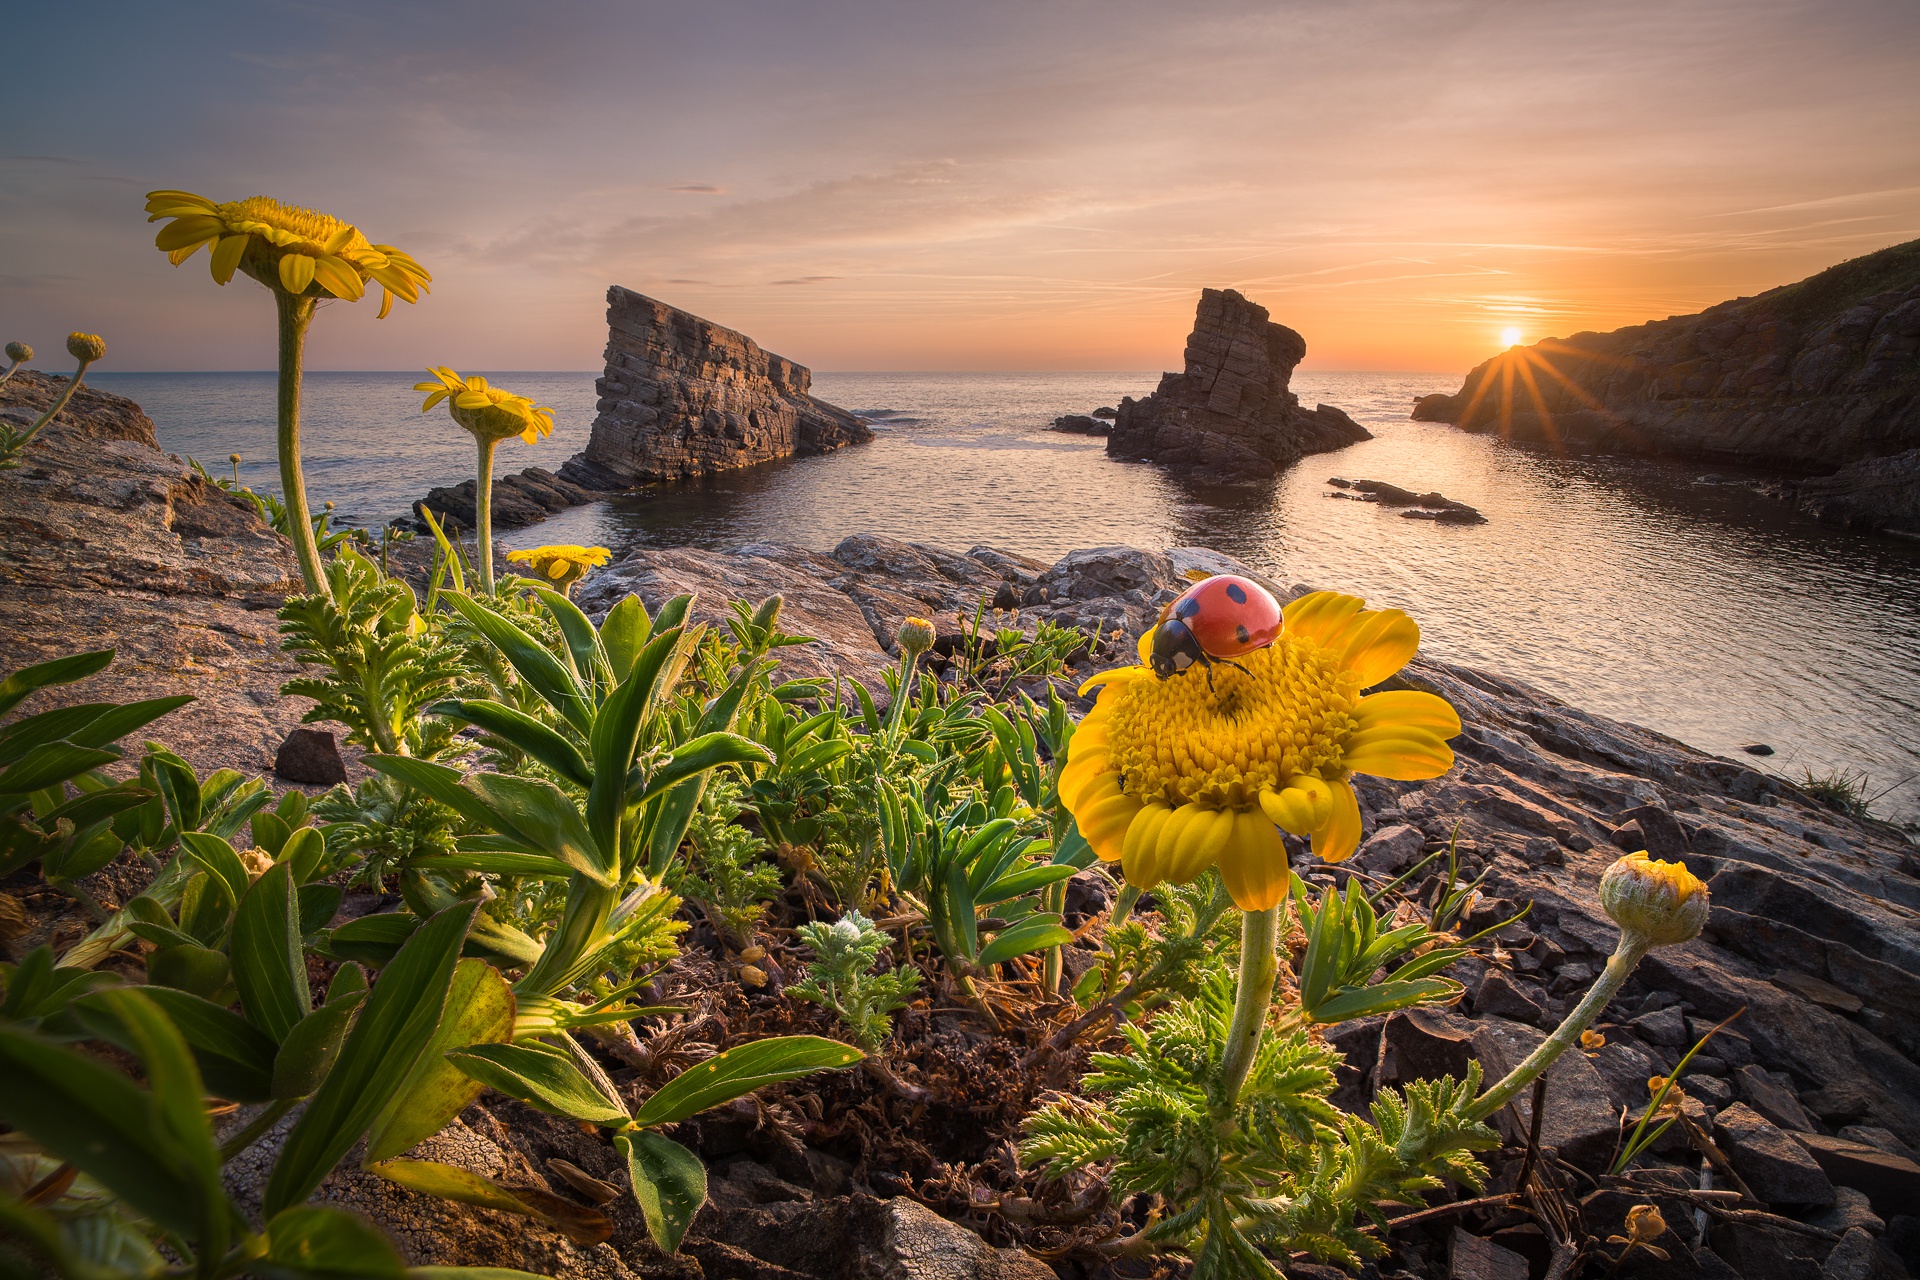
point(684, 397)
point(1231, 409)
point(1807, 376)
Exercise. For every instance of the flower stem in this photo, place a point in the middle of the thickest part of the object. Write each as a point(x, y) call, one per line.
point(1626, 955)
point(296, 314)
point(73, 385)
point(1259, 967)
point(483, 512)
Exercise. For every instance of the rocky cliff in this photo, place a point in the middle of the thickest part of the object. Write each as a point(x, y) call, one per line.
point(684, 397)
point(1231, 409)
point(1808, 376)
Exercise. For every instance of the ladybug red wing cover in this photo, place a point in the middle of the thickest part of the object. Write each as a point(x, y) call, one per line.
point(1229, 615)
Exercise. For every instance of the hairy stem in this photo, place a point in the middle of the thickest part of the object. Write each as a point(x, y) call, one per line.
point(483, 512)
point(1054, 899)
point(73, 385)
point(295, 315)
point(1626, 955)
point(1259, 967)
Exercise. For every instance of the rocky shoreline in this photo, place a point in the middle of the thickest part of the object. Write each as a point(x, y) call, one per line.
point(1812, 1096)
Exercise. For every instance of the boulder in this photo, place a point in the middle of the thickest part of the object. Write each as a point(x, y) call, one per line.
point(1472, 1258)
point(1231, 411)
point(518, 500)
point(1891, 1183)
point(1580, 1120)
point(1081, 424)
point(1874, 493)
point(1777, 1168)
point(311, 757)
point(683, 396)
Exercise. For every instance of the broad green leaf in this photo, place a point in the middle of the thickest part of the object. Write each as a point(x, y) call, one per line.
point(673, 613)
point(440, 782)
point(93, 1117)
point(740, 1071)
point(328, 1244)
point(672, 815)
point(25, 734)
point(268, 967)
point(1359, 1002)
point(304, 851)
point(577, 1223)
point(542, 1077)
point(583, 642)
point(319, 903)
point(373, 939)
point(543, 815)
point(548, 676)
point(311, 1047)
point(1035, 933)
point(40, 675)
point(499, 863)
point(669, 1182)
point(541, 742)
point(49, 765)
point(395, 1025)
point(218, 857)
point(480, 1010)
point(193, 968)
point(1024, 881)
point(615, 736)
point(624, 632)
point(118, 722)
point(270, 832)
point(348, 979)
point(235, 1057)
point(178, 788)
point(709, 751)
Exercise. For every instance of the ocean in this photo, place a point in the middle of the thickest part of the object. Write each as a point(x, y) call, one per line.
point(1707, 612)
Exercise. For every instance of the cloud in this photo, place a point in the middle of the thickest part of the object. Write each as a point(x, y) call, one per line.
point(698, 189)
point(805, 280)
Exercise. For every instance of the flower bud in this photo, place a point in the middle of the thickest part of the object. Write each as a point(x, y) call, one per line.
point(1661, 901)
point(234, 458)
point(86, 347)
point(19, 352)
point(915, 636)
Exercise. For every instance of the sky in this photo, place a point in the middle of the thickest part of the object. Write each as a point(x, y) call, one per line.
point(956, 184)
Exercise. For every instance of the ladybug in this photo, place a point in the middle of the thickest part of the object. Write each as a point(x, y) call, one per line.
point(1214, 620)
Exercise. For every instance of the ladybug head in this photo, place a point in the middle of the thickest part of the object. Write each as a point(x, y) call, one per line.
point(1174, 649)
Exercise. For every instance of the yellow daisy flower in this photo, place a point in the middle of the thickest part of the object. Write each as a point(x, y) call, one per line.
point(1169, 777)
point(305, 252)
point(562, 566)
point(487, 413)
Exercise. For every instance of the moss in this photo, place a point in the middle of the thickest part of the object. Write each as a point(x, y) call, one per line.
point(1848, 283)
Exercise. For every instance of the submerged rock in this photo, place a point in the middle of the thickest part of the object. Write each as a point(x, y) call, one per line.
point(683, 396)
point(1433, 505)
point(1231, 410)
point(518, 501)
point(1081, 424)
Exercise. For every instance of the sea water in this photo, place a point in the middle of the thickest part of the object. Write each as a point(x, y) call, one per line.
point(1708, 612)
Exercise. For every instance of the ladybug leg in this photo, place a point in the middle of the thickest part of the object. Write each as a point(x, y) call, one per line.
point(1231, 663)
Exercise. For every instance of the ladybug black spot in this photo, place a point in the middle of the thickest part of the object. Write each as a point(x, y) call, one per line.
point(1237, 594)
point(1240, 631)
point(1186, 608)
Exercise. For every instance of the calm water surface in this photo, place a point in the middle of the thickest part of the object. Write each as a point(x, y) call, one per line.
point(1709, 613)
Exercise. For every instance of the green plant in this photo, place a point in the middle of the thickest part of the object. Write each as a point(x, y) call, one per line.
point(383, 664)
point(84, 347)
point(725, 870)
point(842, 978)
point(1846, 791)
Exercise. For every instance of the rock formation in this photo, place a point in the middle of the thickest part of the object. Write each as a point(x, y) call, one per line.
point(1433, 505)
point(518, 500)
point(684, 397)
point(1808, 376)
point(1874, 493)
point(1231, 409)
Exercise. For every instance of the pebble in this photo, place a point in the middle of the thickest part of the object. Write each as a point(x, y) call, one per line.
point(1757, 749)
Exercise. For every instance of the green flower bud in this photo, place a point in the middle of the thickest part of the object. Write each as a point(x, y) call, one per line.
point(915, 637)
point(86, 347)
point(19, 352)
point(1661, 901)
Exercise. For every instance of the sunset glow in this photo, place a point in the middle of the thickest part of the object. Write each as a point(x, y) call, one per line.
point(1510, 337)
point(990, 186)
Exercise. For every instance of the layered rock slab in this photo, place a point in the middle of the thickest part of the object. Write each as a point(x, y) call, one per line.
point(684, 397)
point(1231, 409)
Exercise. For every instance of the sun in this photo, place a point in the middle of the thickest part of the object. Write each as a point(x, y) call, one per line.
point(1510, 337)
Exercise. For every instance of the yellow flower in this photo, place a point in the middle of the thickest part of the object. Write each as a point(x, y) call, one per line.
point(305, 252)
point(563, 566)
point(1662, 901)
point(915, 636)
point(1169, 777)
point(1644, 1226)
point(488, 413)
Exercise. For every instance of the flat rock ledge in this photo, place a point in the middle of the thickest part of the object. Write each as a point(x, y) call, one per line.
point(1435, 505)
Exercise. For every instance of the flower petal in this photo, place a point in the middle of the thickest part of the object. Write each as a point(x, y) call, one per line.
point(226, 257)
point(1254, 864)
point(1411, 708)
point(1382, 644)
point(1321, 615)
point(386, 305)
point(1139, 851)
point(339, 279)
point(1104, 820)
point(1201, 842)
point(296, 273)
point(432, 400)
point(195, 229)
point(1336, 841)
point(1398, 752)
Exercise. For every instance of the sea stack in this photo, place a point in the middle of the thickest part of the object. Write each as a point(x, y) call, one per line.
point(684, 397)
point(1231, 409)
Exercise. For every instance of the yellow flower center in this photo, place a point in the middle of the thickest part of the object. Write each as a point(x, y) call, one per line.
point(306, 231)
point(1288, 713)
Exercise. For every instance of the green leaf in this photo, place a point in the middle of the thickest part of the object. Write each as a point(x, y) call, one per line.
point(542, 814)
point(328, 1244)
point(40, 675)
point(59, 724)
point(541, 742)
point(1035, 933)
point(740, 1071)
point(50, 765)
point(218, 857)
point(583, 642)
point(480, 1010)
point(504, 863)
point(1020, 882)
point(1359, 1002)
point(304, 851)
point(319, 903)
point(581, 1225)
point(615, 736)
point(118, 722)
point(374, 939)
point(270, 833)
point(398, 1020)
point(543, 1077)
point(235, 1057)
point(348, 979)
point(709, 751)
point(193, 968)
point(178, 788)
point(91, 1116)
point(669, 1182)
point(440, 782)
point(310, 1049)
point(547, 675)
point(268, 967)
point(624, 632)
